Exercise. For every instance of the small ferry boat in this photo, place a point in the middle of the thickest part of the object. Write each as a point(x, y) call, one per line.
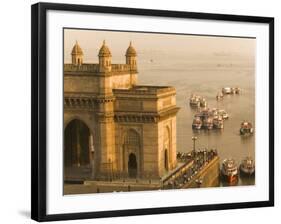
point(197, 123)
point(214, 111)
point(247, 166)
point(246, 128)
point(218, 122)
point(197, 101)
point(230, 90)
point(205, 113)
point(235, 90)
point(203, 102)
point(194, 101)
point(226, 90)
point(229, 170)
point(219, 96)
point(208, 123)
point(223, 114)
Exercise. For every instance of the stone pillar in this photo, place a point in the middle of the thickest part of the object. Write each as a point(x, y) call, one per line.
point(105, 155)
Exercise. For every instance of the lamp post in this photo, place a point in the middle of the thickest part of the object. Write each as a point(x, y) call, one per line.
point(194, 138)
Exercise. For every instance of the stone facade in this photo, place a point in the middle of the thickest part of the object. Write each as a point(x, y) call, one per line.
point(132, 128)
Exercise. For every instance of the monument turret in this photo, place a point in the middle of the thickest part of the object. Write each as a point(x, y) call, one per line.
point(104, 58)
point(131, 57)
point(77, 55)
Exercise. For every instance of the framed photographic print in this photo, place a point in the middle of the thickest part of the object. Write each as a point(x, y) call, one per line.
point(139, 111)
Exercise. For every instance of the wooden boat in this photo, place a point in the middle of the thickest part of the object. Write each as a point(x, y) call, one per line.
point(246, 128)
point(194, 101)
point(247, 166)
point(226, 90)
point(229, 170)
point(208, 123)
point(197, 123)
point(223, 114)
point(218, 122)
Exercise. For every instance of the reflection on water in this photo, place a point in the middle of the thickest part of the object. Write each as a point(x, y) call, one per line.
point(207, 80)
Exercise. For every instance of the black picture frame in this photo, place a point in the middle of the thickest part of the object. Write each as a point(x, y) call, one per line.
point(39, 122)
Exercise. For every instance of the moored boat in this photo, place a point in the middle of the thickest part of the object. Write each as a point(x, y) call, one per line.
point(194, 101)
point(223, 114)
point(226, 90)
point(246, 128)
point(229, 170)
point(218, 122)
point(197, 123)
point(203, 102)
point(235, 90)
point(205, 113)
point(197, 101)
point(208, 123)
point(247, 166)
point(214, 111)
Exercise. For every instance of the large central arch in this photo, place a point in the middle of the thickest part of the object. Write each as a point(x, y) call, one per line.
point(78, 149)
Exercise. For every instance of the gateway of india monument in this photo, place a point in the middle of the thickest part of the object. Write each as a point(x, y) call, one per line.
point(113, 127)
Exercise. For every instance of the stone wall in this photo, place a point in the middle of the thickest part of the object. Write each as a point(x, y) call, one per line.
point(81, 84)
point(123, 81)
point(168, 125)
point(96, 83)
point(150, 151)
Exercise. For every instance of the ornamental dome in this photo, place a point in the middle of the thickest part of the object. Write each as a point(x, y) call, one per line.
point(131, 51)
point(104, 51)
point(76, 49)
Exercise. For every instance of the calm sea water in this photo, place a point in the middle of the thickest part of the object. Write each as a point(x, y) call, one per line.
point(206, 79)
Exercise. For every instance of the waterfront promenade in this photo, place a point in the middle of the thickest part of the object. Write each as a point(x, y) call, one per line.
point(195, 169)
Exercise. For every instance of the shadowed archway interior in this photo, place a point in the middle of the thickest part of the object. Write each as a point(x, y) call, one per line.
point(166, 160)
point(132, 166)
point(131, 154)
point(78, 143)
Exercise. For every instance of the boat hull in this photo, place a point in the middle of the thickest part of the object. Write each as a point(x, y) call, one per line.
point(244, 131)
point(218, 125)
point(196, 127)
point(232, 178)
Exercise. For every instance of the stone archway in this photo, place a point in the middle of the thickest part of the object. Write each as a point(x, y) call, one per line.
point(132, 166)
point(78, 149)
point(131, 154)
point(167, 148)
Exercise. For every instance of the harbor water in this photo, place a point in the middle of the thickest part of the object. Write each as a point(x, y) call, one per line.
point(207, 78)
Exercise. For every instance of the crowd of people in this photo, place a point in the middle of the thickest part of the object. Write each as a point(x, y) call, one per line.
point(198, 158)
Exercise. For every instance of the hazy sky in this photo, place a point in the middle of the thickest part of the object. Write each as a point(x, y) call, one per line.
point(158, 45)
